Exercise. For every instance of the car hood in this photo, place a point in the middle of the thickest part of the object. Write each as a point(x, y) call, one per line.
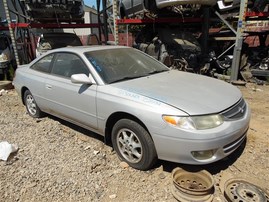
point(191, 93)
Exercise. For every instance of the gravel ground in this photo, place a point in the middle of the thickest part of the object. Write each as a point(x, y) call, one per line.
point(57, 161)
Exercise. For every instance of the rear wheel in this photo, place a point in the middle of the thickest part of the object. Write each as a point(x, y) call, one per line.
point(133, 144)
point(31, 105)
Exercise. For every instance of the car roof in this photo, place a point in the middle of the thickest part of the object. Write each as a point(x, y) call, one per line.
point(83, 49)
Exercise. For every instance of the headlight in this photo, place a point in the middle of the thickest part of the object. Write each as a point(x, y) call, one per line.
point(3, 57)
point(194, 122)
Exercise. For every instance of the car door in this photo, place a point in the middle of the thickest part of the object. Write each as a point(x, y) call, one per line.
point(74, 102)
point(37, 75)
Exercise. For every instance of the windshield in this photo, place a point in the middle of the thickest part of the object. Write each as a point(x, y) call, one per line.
point(120, 64)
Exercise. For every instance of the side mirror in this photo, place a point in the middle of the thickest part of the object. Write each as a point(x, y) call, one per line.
point(82, 79)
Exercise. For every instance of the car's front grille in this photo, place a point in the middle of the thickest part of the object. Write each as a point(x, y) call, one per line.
point(237, 111)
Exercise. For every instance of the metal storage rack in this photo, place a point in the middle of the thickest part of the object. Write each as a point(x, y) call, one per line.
point(27, 42)
point(244, 16)
point(22, 29)
point(239, 32)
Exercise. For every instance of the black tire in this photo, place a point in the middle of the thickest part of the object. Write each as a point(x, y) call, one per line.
point(31, 106)
point(133, 144)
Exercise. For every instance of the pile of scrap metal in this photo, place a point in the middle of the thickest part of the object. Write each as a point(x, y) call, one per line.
point(180, 50)
point(230, 8)
point(54, 11)
point(176, 49)
point(152, 8)
point(259, 63)
point(134, 8)
point(254, 65)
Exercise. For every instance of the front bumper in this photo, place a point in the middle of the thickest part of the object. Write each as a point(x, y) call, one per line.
point(177, 145)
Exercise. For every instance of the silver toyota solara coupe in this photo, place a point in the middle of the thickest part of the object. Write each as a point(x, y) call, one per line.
point(146, 110)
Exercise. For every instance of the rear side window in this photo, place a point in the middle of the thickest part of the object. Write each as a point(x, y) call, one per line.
point(43, 65)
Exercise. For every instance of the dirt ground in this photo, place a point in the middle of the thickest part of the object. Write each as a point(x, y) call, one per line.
point(57, 161)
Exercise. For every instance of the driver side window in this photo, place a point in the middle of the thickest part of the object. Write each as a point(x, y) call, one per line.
point(67, 64)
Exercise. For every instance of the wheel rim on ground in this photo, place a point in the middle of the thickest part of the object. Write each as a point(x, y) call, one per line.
point(192, 186)
point(129, 145)
point(238, 190)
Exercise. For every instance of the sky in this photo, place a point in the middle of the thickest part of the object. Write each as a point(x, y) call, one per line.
point(90, 3)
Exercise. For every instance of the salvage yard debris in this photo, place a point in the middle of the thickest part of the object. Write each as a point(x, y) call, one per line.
point(3, 91)
point(242, 190)
point(199, 186)
point(6, 149)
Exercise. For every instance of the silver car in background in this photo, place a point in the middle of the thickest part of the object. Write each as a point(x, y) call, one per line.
point(131, 8)
point(146, 110)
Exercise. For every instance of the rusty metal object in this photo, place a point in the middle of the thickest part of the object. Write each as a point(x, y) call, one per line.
point(238, 190)
point(192, 186)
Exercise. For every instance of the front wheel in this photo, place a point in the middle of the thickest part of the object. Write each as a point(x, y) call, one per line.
point(133, 144)
point(31, 105)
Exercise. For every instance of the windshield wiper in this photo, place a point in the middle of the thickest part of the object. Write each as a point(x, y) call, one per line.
point(158, 71)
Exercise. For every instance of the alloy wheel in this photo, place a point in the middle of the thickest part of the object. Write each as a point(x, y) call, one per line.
point(129, 145)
